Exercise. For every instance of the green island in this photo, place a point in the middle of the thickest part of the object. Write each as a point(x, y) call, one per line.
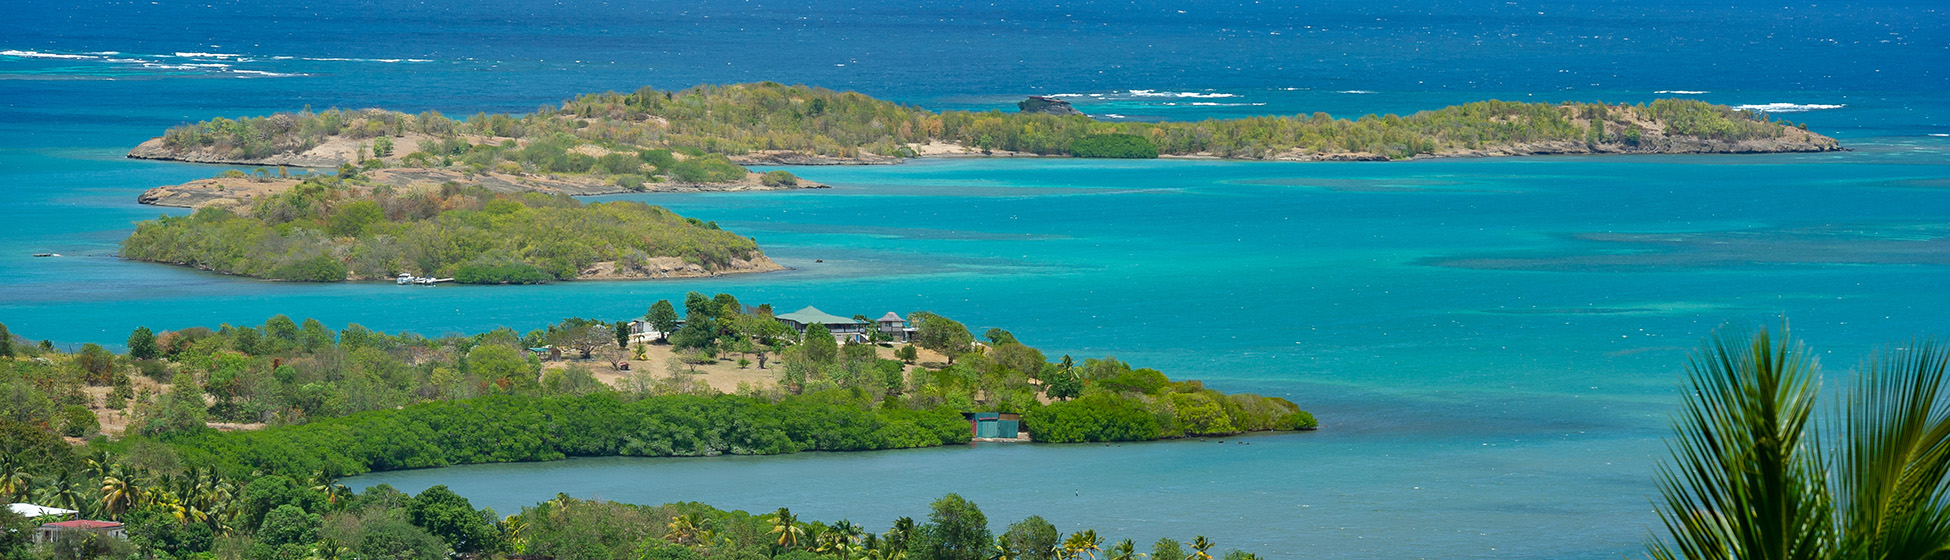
point(225, 443)
point(770, 123)
point(330, 228)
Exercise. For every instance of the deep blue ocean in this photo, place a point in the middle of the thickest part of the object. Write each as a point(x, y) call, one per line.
point(1493, 346)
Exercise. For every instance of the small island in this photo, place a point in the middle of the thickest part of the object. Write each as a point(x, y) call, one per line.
point(332, 228)
point(590, 137)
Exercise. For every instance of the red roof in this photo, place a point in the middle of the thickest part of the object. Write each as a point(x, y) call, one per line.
point(84, 524)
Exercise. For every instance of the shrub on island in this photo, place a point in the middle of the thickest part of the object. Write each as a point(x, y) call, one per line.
point(1125, 146)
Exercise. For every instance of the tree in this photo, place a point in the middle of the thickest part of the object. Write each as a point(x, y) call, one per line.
point(287, 524)
point(78, 422)
point(1167, 549)
point(907, 353)
point(663, 317)
point(786, 526)
point(1123, 550)
point(819, 346)
point(1062, 385)
point(6, 342)
point(622, 334)
point(1086, 542)
point(142, 344)
point(449, 516)
point(697, 306)
point(1751, 477)
point(582, 335)
point(941, 334)
point(1201, 548)
point(956, 530)
point(998, 337)
point(97, 364)
point(1032, 539)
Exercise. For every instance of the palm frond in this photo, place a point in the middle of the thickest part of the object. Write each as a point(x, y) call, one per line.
point(1893, 467)
point(1743, 483)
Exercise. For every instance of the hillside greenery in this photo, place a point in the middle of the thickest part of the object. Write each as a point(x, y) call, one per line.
point(330, 228)
point(740, 119)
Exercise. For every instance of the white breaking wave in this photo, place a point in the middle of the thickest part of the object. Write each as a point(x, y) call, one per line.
point(1682, 92)
point(1356, 91)
point(206, 55)
point(1192, 94)
point(1209, 104)
point(1938, 134)
point(38, 54)
point(263, 73)
point(341, 59)
point(1786, 107)
point(1113, 116)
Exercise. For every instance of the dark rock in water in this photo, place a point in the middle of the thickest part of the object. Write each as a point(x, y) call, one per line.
point(1051, 105)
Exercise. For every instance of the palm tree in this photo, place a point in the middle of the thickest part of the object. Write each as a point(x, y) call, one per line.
point(1123, 550)
point(787, 527)
point(1201, 548)
point(119, 494)
point(900, 534)
point(62, 492)
point(684, 529)
point(14, 479)
point(1089, 542)
point(1752, 478)
point(1002, 550)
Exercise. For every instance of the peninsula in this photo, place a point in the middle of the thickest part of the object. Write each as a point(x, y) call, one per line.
point(200, 442)
point(767, 123)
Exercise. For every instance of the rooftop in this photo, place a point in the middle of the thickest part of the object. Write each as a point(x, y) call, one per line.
point(31, 511)
point(810, 315)
point(84, 524)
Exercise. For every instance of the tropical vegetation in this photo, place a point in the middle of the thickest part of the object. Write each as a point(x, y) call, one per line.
point(332, 228)
point(1758, 471)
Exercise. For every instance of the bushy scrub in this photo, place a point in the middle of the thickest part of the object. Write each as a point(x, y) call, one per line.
point(1127, 146)
point(329, 229)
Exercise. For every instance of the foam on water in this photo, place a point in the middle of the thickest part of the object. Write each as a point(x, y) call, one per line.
point(1787, 107)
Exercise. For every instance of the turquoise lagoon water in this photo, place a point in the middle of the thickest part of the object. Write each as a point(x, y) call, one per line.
point(1493, 346)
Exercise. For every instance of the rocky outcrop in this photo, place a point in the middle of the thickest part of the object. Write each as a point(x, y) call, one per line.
point(788, 157)
point(674, 267)
point(242, 192)
point(1047, 105)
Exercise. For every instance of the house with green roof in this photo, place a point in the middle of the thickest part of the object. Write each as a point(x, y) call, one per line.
point(842, 327)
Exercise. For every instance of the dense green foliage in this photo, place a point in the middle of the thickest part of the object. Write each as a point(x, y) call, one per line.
point(1126, 146)
point(331, 228)
point(745, 118)
point(506, 428)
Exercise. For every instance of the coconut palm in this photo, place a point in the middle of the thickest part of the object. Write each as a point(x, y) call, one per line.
point(14, 479)
point(786, 526)
point(1123, 550)
point(684, 529)
point(1753, 477)
point(1088, 542)
point(119, 493)
point(1002, 550)
point(900, 534)
point(62, 492)
point(1201, 548)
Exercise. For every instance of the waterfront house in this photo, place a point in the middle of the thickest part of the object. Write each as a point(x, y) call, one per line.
point(50, 531)
point(35, 511)
point(895, 328)
point(842, 328)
